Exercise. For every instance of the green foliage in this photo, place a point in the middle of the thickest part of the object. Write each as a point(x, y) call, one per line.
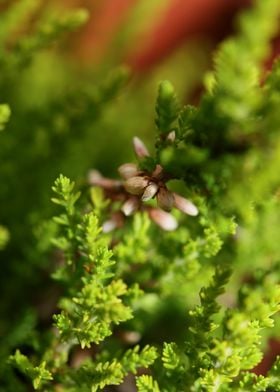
point(273, 376)
point(166, 107)
point(4, 115)
point(137, 308)
point(4, 237)
point(146, 384)
point(63, 188)
point(134, 359)
point(95, 377)
point(16, 14)
point(49, 33)
point(88, 316)
point(230, 110)
point(38, 374)
point(55, 114)
point(133, 248)
point(215, 355)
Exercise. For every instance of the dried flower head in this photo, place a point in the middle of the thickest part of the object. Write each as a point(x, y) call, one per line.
point(139, 186)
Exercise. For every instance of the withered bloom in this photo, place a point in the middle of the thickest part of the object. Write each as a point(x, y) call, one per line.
point(138, 187)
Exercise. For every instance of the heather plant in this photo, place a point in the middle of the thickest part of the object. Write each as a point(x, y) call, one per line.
point(166, 276)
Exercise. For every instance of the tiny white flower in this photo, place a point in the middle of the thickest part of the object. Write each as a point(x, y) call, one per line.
point(185, 205)
point(171, 136)
point(130, 206)
point(150, 191)
point(114, 222)
point(163, 219)
point(109, 226)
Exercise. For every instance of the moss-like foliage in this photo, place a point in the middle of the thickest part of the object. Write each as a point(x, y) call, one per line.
point(125, 283)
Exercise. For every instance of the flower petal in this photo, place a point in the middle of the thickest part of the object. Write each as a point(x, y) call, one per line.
point(158, 172)
point(136, 185)
point(109, 226)
point(116, 220)
point(130, 206)
point(163, 219)
point(128, 170)
point(185, 205)
point(165, 199)
point(171, 136)
point(131, 337)
point(96, 178)
point(140, 149)
point(150, 191)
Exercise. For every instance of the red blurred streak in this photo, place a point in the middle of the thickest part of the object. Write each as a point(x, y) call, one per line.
point(182, 20)
point(269, 358)
point(275, 53)
point(100, 30)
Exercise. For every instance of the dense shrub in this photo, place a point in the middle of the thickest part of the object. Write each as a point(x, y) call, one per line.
point(166, 277)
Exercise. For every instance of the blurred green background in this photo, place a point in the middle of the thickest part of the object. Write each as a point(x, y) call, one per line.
point(77, 97)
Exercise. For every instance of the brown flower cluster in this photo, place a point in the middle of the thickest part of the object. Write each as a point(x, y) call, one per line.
point(136, 188)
